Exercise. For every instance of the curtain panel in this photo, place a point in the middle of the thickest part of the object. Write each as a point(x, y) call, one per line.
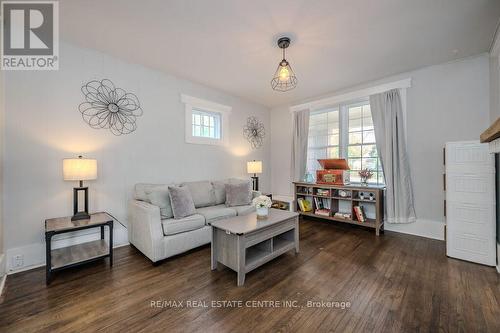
point(299, 144)
point(387, 113)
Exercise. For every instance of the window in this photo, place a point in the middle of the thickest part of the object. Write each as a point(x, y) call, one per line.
point(206, 122)
point(347, 132)
point(324, 137)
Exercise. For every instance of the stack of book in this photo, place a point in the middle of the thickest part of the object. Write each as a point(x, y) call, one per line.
point(344, 216)
point(304, 205)
point(322, 206)
point(360, 213)
point(323, 192)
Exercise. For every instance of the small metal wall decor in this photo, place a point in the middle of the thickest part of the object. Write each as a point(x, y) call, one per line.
point(254, 132)
point(107, 106)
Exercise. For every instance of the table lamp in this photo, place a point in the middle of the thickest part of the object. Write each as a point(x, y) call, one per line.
point(80, 169)
point(255, 167)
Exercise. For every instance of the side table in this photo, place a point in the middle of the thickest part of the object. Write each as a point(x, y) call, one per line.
point(75, 255)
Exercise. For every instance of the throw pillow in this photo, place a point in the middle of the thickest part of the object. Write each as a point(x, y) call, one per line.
point(202, 193)
point(161, 198)
point(182, 202)
point(219, 191)
point(238, 194)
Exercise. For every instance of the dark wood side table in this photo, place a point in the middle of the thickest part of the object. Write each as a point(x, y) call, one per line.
point(75, 255)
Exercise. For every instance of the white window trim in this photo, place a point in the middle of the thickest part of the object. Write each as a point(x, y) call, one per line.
point(205, 105)
point(351, 96)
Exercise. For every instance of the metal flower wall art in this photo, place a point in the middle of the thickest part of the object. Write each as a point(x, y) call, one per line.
point(254, 132)
point(107, 106)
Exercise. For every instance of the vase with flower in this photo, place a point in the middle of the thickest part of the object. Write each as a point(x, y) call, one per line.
point(262, 204)
point(365, 175)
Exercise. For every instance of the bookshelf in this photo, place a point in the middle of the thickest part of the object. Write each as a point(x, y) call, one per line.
point(339, 203)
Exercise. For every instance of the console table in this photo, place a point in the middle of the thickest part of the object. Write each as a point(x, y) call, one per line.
point(75, 255)
point(343, 199)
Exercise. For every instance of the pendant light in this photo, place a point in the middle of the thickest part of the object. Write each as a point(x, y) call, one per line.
point(284, 78)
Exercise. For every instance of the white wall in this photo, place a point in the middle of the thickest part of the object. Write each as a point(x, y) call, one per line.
point(43, 126)
point(447, 102)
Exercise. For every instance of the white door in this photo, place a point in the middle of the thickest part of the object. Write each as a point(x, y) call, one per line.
point(470, 202)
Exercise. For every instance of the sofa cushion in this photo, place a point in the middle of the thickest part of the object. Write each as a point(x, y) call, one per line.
point(202, 193)
point(244, 210)
point(238, 194)
point(161, 197)
point(141, 190)
point(220, 191)
point(175, 226)
point(182, 202)
point(215, 213)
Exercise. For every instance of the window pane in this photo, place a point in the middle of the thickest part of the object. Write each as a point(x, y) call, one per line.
point(354, 125)
point(197, 131)
point(317, 141)
point(369, 151)
point(333, 152)
point(354, 151)
point(355, 177)
point(355, 138)
point(369, 137)
point(355, 112)
point(369, 163)
point(333, 140)
point(355, 163)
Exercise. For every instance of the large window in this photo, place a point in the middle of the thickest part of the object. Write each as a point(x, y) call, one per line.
point(206, 122)
point(347, 132)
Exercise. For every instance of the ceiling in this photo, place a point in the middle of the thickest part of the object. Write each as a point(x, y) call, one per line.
point(230, 45)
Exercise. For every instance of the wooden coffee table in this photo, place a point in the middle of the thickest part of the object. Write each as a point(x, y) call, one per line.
point(244, 243)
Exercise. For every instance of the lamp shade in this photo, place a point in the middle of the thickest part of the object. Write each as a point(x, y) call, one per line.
point(254, 167)
point(79, 169)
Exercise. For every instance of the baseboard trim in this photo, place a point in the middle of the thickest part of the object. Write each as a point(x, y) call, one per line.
point(2, 283)
point(422, 227)
point(34, 254)
point(498, 258)
point(3, 276)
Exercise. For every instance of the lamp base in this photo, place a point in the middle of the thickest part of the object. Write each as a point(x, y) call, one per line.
point(80, 216)
point(77, 213)
point(255, 183)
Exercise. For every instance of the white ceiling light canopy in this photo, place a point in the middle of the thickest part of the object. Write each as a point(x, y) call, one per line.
point(284, 78)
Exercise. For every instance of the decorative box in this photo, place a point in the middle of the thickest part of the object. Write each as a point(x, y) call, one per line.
point(335, 172)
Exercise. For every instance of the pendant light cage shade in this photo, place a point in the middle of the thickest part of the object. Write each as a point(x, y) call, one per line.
point(284, 78)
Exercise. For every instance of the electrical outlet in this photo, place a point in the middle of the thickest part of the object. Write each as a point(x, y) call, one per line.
point(18, 260)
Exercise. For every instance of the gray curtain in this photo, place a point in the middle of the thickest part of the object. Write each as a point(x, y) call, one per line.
point(299, 144)
point(388, 121)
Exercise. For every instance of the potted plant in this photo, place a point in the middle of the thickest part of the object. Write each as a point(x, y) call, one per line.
point(365, 174)
point(262, 204)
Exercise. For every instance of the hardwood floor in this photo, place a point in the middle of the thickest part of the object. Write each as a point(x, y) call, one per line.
point(394, 283)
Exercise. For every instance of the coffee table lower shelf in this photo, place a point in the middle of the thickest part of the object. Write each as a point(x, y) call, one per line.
point(255, 243)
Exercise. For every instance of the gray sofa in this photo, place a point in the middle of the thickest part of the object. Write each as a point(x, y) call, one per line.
point(153, 230)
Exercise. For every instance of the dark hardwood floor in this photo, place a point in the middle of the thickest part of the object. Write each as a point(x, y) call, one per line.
point(394, 283)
